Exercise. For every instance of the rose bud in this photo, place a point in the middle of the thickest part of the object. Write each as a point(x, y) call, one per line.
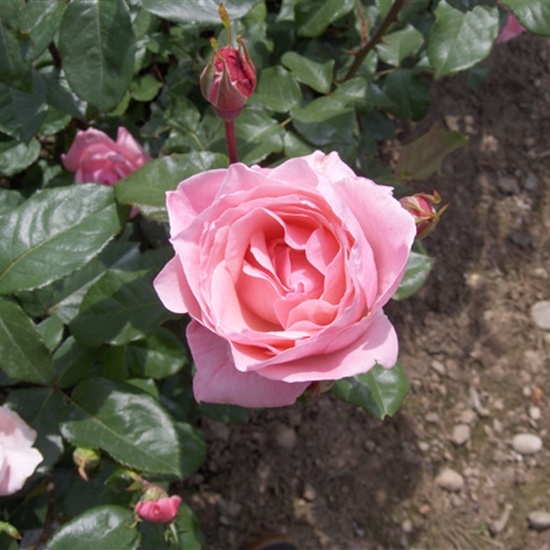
point(156, 506)
point(421, 207)
point(86, 460)
point(229, 78)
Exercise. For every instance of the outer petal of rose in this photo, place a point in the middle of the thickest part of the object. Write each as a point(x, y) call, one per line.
point(131, 149)
point(22, 463)
point(217, 380)
point(511, 29)
point(378, 345)
point(173, 290)
point(81, 145)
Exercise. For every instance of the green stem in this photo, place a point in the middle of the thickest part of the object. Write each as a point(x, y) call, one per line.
point(231, 141)
point(375, 39)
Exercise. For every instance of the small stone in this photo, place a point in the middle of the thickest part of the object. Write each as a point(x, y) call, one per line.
point(285, 436)
point(309, 493)
point(534, 412)
point(527, 444)
point(452, 123)
point(540, 313)
point(424, 509)
point(467, 417)
point(370, 445)
point(432, 418)
point(423, 446)
point(438, 367)
point(456, 501)
point(539, 520)
point(407, 526)
point(531, 182)
point(450, 480)
point(461, 434)
point(499, 524)
point(229, 508)
point(508, 185)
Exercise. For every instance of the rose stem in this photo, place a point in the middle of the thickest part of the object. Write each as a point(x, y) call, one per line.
point(231, 141)
point(376, 37)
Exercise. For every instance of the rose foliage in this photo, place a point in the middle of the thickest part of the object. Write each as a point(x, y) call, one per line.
point(272, 273)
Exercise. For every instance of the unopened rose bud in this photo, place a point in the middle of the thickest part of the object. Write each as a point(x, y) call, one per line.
point(86, 460)
point(10, 530)
point(156, 506)
point(229, 78)
point(421, 207)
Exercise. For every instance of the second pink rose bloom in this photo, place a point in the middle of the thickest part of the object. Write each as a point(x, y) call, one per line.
point(284, 272)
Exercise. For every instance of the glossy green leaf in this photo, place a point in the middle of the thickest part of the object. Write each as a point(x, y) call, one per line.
point(379, 391)
point(193, 448)
point(186, 526)
point(277, 90)
point(313, 18)
point(119, 308)
point(421, 158)
point(39, 234)
point(73, 362)
point(145, 88)
point(96, 43)
point(103, 527)
point(146, 187)
point(15, 61)
point(22, 113)
point(41, 21)
point(42, 409)
point(125, 422)
point(159, 356)
point(59, 94)
point(196, 11)
point(458, 40)
point(9, 200)
point(400, 44)
point(51, 330)
point(418, 270)
point(16, 156)
point(23, 354)
point(316, 75)
point(409, 93)
point(532, 14)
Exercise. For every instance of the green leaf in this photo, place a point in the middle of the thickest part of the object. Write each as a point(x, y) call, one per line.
point(22, 113)
point(146, 188)
point(118, 308)
point(42, 409)
point(126, 422)
point(399, 45)
point(277, 90)
point(60, 95)
point(145, 88)
point(51, 330)
point(72, 362)
point(421, 158)
point(379, 391)
point(38, 235)
point(24, 356)
point(196, 11)
point(41, 21)
point(313, 18)
point(105, 527)
point(532, 14)
point(193, 448)
point(159, 356)
point(16, 156)
point(96, 43)
point(15, 61)
point(416, 275)
point(312, 73)
point(409, 94)
point(458, 40)
point(9, 200)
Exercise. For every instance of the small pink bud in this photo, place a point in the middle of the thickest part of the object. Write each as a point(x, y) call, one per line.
point(229, 78)
point(421, 207)
point(156, 506)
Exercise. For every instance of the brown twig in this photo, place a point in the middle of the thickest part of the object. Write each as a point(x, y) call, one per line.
point(375, 39)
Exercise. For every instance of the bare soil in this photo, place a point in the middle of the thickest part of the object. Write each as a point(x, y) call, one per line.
point(332, 477)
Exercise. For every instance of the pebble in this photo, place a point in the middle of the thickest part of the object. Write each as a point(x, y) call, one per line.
point(450, 480)
point(438, 367)
point(407, 526)
point(527, 444)
point(534, 412)
point(432, 418)
point(229, 508)
point(461, 434)
point(508, 185)
point(540, 313)
point(467, 417)
point(285, 436)
point(539, 520)
point(370, 445)
point(531, 182)
point(309, 493)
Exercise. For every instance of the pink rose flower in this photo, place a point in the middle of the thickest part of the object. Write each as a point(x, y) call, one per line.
point(511, 29)
point(284, 272)
point(95, 158)
point(161, 510)
point(18, 458)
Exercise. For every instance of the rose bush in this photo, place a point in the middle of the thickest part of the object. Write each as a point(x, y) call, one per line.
point(95, 158)
point(18, 458)
point(284, 272)
point(161, 510)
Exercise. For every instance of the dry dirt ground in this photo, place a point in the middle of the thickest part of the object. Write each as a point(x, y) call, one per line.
point(334, 478)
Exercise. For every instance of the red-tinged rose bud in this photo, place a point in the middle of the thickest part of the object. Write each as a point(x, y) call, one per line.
point(421, 207)
point(156, 506)
point(228, 80)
